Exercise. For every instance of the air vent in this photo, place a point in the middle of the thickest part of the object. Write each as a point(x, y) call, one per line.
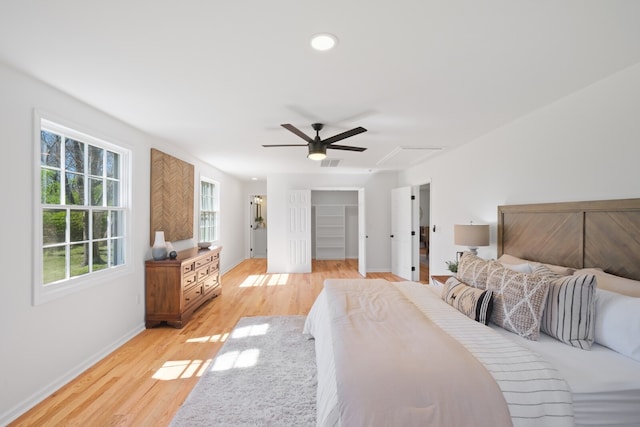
point(330, 163)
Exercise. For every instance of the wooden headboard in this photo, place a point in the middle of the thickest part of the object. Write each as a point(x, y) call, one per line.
point(603, 233)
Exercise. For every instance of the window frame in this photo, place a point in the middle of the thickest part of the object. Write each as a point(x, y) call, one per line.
point(41, 292)
point(216, 209)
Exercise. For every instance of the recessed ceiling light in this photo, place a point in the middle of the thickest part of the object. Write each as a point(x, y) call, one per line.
point(323, 41)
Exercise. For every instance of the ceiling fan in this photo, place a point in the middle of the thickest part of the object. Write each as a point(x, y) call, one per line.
point(318, 147)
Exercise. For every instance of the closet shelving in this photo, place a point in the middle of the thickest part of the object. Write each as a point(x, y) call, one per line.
point(330, 231)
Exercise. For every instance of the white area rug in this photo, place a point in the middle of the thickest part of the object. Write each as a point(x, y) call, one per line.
point(264, 375)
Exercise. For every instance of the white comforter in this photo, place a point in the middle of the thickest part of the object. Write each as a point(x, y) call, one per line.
point(352, 394)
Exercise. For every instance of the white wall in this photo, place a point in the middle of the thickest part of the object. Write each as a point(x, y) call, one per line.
point(378, 212)
point(44, 346)
point(585, 146)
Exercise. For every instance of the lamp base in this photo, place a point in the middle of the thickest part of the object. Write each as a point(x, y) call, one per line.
point(474, 251)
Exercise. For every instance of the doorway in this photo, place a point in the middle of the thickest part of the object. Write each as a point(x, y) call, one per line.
point(258, 224)
point(424, 221)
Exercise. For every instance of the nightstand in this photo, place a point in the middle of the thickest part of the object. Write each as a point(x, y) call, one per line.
point(440, 279)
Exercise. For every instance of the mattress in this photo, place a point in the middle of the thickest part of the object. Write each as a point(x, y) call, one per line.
point(605, 385)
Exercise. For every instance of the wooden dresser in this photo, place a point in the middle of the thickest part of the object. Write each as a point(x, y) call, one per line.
point(175, 288)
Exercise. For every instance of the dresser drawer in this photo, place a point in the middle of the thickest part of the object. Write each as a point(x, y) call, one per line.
point(202, 273)
point(188, 268)
point(189, 280)
point(204, 261)
point(192, 296)
point(210, 283)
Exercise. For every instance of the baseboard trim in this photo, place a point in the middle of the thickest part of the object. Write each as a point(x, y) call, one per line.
point(46, 391)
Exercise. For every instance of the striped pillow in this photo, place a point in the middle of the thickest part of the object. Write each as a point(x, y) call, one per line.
point(473, 302)
point(569, 314)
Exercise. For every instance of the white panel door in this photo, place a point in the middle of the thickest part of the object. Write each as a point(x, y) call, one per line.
point(401, 239)
point(298, 231)
point(362, 235)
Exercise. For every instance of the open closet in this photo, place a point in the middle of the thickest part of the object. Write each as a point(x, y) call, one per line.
point(334, 224)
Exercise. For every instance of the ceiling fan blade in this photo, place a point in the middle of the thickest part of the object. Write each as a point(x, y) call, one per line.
point(344, 135)
point(297, 131)
point(345, 147)
point(286, 145)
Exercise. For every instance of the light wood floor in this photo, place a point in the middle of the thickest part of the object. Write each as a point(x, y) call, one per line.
point(144, 382)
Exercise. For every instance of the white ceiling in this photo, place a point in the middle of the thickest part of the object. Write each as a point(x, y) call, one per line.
point(219, 77)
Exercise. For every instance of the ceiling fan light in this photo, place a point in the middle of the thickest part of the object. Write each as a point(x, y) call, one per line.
point(323, 41)
point(317, 156)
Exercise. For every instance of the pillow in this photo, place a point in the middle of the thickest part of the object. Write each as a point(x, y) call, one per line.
point(617, 284)
point(618, 323)
point(518, 300)
point(475, 303)
point(558, 269)
point(472, 270)
point(520, 268)
point(569, 314)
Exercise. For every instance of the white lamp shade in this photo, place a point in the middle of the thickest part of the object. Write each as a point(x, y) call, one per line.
point(471, 235)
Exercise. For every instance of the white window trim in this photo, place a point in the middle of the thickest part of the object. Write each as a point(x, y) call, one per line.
point(218, 188)
point(43, 293)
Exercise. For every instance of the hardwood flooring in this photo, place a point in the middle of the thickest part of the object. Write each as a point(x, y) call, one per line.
point(144, 382)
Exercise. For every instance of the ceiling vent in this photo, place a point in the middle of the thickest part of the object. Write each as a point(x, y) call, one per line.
point(405, 156)
point(330, 163)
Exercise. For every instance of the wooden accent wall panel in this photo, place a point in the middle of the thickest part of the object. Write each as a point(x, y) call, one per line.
point(172, 182)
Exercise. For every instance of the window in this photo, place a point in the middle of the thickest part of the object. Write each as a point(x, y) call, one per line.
point(209, 210)
point(83, 184)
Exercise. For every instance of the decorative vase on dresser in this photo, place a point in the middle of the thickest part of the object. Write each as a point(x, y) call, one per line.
point(176, 288)
point(159, 248)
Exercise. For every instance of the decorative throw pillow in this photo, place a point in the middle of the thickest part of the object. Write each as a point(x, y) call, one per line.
point(612, 283)
point(520, 268)
point(518, 300)
point(569, 314)
point(558, 269)
point(618, 323)
point(472, 270)
point(473, 302)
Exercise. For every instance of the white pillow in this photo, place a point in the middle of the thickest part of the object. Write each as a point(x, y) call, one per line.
point(618, 323)
point(520, 268)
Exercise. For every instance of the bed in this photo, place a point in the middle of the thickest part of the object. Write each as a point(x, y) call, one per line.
point(408, 354)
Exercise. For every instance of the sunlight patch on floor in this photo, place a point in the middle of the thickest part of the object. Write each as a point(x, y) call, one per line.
point(207, 338)
point(181, 369)
point(236, 359)
point(250, 331)
point(256, 280)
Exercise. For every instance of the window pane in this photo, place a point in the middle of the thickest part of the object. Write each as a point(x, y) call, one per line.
point(113, 193)
point(79, 225)
point(53, 264)
point(54, 225)
point(74, 189)
point(50, 187)
point(50, 149)
point(113, 165)
point(207, 199)
point(79, 262)
point(96, 191)
point(207, 226)
point(117, 224)
point(100, 224)
point(117, 252)
point(99, 255)
point(74, 155)
point(95, 160)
